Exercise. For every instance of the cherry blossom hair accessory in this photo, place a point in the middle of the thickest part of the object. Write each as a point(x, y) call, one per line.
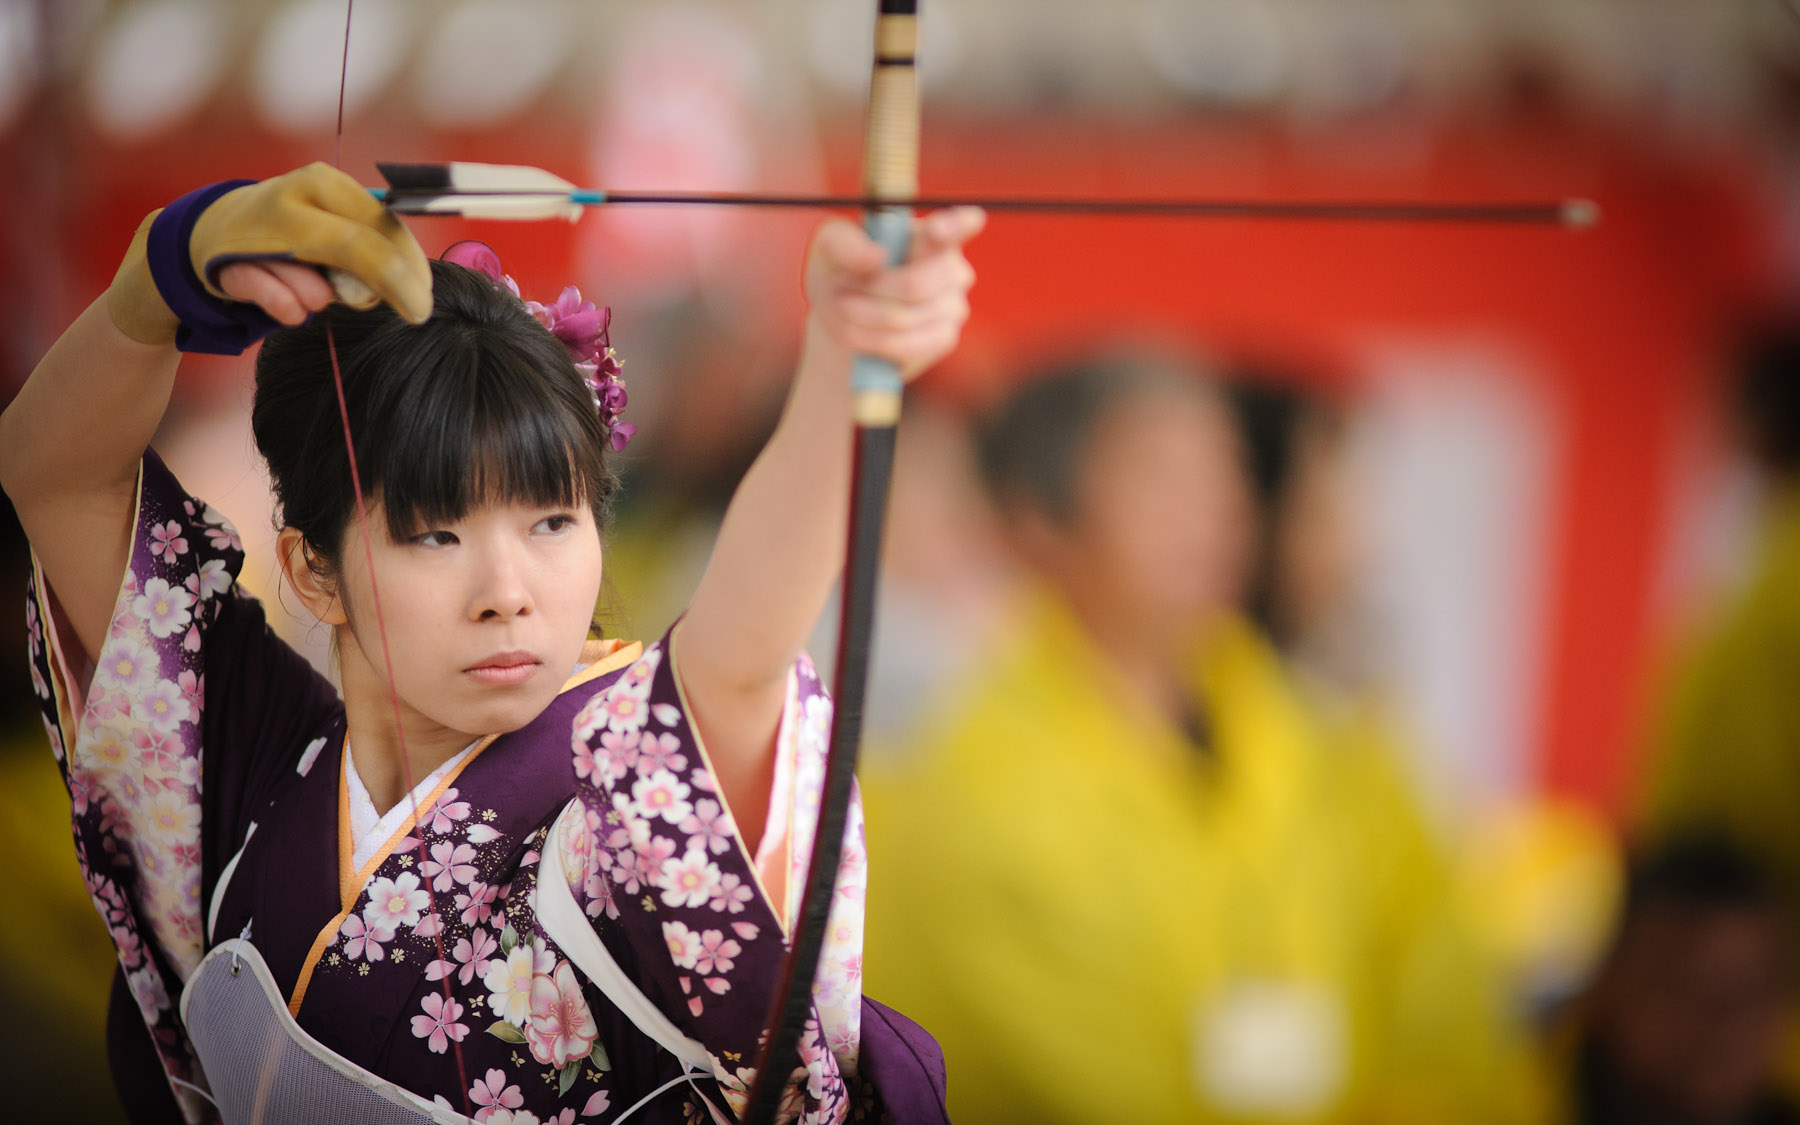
point(582, 328)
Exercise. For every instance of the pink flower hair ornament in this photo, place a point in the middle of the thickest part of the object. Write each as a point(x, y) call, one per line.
point(579, 325)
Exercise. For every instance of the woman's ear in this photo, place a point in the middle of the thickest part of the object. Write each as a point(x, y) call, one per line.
point(317, 593)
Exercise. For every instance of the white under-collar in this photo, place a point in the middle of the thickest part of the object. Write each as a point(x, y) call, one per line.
point(369, 828)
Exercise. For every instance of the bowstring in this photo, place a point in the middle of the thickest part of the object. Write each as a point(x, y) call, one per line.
point(387, 660)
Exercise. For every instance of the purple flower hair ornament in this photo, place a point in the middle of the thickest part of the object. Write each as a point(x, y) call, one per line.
point(579, 325)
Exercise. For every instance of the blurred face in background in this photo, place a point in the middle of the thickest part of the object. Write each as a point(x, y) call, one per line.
point(1160, 536)
point(1690, 1012)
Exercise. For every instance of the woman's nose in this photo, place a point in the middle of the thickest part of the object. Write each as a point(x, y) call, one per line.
point(501, 591)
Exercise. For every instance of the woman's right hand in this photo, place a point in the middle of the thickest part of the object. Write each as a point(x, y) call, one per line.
point(260, 244)
point(264, 243)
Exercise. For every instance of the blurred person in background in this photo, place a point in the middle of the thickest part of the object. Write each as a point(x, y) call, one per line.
point(1682, 1024)
point(1128, 875)
point(1726, 758)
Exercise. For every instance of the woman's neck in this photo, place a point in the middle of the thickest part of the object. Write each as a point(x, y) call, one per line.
point(386, 772)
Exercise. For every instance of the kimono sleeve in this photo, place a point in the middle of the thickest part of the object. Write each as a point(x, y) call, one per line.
point(664, 869)
point(128, 735)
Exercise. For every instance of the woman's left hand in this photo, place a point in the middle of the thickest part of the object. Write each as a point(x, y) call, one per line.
point(911, 314)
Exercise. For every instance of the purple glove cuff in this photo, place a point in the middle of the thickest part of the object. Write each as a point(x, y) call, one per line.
point(208, 324)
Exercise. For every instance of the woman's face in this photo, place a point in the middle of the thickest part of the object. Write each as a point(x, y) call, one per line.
point(485, 617)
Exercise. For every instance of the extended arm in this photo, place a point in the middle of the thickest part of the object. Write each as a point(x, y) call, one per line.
point(71, 440)
point(782, 541)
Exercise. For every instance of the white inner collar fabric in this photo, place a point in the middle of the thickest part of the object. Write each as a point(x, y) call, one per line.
point(370, 828)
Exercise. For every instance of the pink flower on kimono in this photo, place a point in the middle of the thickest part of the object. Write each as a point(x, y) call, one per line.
point(688, 881)
point(596, 1104)
point(166, 541)
point(438, 1025)
point(662, 794)
point(449, 864)
point(171, 818)
point(642, 861)
point(220, 535)
point(513, 1117)
point(585, 766)
point(193, 689)
point(492, 1093)
point(364, 940)
point(162, 706)
point(508, 981)
point(429, 926)
point(710, 826)
point(731, 894)
point(163, 607)
point(561, 1028)
point(474, 953)
point(477, 904)
point(395, 902)
point(156, 750)
point(442, 816)
point(34, 629)
point(600, 896)
point(623, 709)
point(660, 752)
point(716, 953)
point(621, 752)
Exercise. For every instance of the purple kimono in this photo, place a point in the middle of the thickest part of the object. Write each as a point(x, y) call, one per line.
point(206, 771)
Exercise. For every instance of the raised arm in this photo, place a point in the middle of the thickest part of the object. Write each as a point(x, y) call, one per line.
point(70, 442)
point(782, 541)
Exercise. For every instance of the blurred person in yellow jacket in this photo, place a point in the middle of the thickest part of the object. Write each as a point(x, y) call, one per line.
point(1125, 874)
point(1727, 750)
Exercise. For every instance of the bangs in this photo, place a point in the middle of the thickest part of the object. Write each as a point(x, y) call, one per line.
point(489, 422)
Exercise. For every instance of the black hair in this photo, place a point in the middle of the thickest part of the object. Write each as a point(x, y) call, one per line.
point(1698, 871)
point(1029, 448)
point(479, 404)
point(1768, 397)
point(1273, 414)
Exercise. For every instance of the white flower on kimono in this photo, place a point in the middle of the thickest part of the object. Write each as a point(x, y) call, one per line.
point(561, 1028)
point(660, 752)
point(509, 981)
point(513, 1117)
point(716, 953)
point(480, 834)
point(39, 686)
point(164, 608)
point(148, 990)
point(443, 814)
point(688, 881)
point(684, 944)
point(438, 1025)
point(171, 818)
point(395, 902)
point(212, 578)
point(220, 535)
point(130, 665)
point(710, 826)
point(161, 706)
point(477, 904)
point(449, 865)
point(363, 940)
point(492, 1093)
point(166, 541)
point(731, 895)
point(662, 794)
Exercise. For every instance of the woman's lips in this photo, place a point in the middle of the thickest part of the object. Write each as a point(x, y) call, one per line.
point(505, 670)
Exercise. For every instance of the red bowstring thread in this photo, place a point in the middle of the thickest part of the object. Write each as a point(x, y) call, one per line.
point(387, 660)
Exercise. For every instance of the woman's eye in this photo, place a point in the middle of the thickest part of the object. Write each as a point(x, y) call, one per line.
point(435, 539)
point(555, 524)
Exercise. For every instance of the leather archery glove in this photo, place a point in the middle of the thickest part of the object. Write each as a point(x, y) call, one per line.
point(167, 287)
